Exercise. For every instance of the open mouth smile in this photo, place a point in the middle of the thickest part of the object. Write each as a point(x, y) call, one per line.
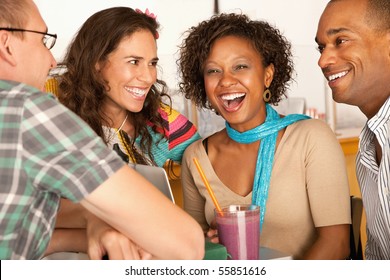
point(231, 101)
point(136, 91)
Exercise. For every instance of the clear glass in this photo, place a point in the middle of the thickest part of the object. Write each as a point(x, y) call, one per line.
point(239, 231)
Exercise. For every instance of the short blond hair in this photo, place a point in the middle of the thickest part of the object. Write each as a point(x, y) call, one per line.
point(14, 13)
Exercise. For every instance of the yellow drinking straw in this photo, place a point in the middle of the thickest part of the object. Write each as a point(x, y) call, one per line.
point(211, 193)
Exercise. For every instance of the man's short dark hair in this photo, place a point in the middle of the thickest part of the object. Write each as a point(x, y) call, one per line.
point(378, 14)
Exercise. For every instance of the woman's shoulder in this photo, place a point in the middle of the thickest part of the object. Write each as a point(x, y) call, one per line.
point(194, 147)
point(172, 116)
point(167, 111)
point(311, 131)
point(311, 126)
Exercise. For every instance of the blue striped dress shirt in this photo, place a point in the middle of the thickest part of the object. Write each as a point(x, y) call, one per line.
point(374, 183)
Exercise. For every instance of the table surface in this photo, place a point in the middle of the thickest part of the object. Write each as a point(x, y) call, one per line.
point(265, 254)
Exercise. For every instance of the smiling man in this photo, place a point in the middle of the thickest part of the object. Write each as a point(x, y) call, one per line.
point(353, 38)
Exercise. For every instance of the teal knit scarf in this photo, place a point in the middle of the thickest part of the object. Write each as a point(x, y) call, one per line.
point(268, 132)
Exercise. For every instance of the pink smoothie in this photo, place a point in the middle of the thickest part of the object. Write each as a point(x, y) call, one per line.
point(240, 235)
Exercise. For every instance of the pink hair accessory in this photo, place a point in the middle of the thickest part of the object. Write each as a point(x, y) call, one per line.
point(149, 14)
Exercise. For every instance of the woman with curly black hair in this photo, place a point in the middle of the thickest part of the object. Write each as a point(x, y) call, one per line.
point(291, 166)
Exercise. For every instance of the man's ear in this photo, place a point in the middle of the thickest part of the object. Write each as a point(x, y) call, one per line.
point(6, 50)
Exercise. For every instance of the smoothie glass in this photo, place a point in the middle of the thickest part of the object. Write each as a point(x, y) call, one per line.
point(239, 230)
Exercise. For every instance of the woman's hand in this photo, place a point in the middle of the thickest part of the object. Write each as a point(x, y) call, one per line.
point(212, 233)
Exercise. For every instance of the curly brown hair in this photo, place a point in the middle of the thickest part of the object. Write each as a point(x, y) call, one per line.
point(83, 90)
point(272, 46)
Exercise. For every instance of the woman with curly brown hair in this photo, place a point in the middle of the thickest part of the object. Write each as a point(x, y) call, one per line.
point(111, 83)
point(291, 166)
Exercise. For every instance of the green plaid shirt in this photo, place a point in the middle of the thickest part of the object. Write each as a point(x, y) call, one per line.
point(46, 152)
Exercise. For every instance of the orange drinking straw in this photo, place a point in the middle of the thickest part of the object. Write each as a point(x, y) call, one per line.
point(211, 193)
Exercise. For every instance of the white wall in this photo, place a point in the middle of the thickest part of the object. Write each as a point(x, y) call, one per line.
point(296, 19)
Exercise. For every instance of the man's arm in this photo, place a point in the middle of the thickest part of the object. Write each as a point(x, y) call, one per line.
point(129, 203)
point(77, 230)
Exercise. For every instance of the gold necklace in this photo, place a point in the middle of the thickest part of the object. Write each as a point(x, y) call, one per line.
point(132, 153)
point(123, 123)
point(123, 142)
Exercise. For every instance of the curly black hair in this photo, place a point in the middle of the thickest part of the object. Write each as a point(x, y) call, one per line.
point(272, 46)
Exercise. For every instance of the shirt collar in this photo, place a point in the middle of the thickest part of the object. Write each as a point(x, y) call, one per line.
point(380, 119)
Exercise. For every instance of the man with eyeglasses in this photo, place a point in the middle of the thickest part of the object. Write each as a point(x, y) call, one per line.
point(48, 153)
point(49, 40)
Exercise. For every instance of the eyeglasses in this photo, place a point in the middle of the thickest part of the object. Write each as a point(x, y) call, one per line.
point(49, 40)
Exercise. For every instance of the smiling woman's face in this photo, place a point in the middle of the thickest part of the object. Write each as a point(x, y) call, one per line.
point(235, 80)
point(130, 71)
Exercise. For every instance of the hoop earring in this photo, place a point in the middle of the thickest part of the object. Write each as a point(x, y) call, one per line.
point(267, 95)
